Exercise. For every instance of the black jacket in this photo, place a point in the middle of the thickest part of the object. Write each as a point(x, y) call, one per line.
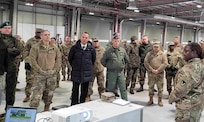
point(82, 62)
point(4, 57)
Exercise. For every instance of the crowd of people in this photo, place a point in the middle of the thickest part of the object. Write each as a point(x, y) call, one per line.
point(83, 61)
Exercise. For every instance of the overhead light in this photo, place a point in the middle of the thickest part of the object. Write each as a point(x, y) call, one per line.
point(137, 10)
point(29, 4)
point(132, 5)
point(131, 19)
point(158, 23)
point(91, 13)
point(102, 19)
point(199, 6)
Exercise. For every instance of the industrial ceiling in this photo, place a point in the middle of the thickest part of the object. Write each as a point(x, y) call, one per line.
point(189, 12)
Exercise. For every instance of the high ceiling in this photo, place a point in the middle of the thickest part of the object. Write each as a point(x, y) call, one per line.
point(185, 9)
point(181, 10)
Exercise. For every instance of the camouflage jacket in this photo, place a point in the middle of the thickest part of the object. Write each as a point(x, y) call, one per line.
point(13, 51)
point(189, 90)
point(29, 44)
point(98, 67)
point(173, 59)
point(157, 61)
point(65, 49)
point(133, 53)
point(45, 58)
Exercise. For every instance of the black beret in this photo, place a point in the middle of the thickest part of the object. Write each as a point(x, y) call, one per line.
point(6, 23)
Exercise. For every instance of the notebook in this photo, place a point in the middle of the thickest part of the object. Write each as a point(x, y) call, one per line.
point(20, 114)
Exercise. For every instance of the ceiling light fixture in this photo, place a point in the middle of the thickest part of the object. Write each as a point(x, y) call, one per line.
point(132, 5)
point(199, 6)
point(91, 13)
point(28, 4)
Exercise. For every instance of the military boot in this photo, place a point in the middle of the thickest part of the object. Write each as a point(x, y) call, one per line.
point(26, 99)
point(46, 107)
point(140, 89)
point(68, 78)
point(63, 78)
point(57, 84)
point(160, 102)
point(150, 102)
point(131, 91)
point(88, 98)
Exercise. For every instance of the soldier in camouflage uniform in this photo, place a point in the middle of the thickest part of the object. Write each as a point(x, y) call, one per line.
point(115, 58)
point(202, 47)
point(189, 90)
point(132, 72)
point(13, 51)
point(125, 45)
point(144, 48)
point(54, 42)
point(45, 59)
point(29, 74)
point(19, 58)
point(65, 64)
point(155, 63)
point(98, 71)
point(172, 67)
point(178, 45)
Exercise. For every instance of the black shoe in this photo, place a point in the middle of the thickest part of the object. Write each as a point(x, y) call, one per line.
point(155, 90)
point(132, 92)
point(117, 95)
point(140, 89)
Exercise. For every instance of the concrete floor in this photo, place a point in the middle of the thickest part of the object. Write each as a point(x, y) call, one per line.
point(152, 113)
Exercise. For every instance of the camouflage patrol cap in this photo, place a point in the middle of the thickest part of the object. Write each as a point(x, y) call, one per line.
point(201, 41)
point(156, 42)
point(38, 30)
point(6, 23)
point(171, 44)
point(95, 40)
point(133, 38)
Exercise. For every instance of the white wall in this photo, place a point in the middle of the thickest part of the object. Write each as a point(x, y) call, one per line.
point(28, 30)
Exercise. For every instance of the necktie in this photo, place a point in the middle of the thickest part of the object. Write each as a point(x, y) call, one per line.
point(83, 47)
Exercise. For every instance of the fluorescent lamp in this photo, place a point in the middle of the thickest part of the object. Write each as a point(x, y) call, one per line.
point(28, 4)
point(199, 6)
point(91, 13)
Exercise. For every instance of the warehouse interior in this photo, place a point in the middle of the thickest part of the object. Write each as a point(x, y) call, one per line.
point(160, 19)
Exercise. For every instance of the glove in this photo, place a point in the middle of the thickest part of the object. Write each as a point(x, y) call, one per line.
point(27, 66)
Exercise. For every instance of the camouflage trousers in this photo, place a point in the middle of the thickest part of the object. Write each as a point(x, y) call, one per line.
point(157, 79)
point(42, 86)
point(169, 78)
point(100, 82)
point(18, 62)
point(132, 74)
point(65, 64)
point(116, 79)
point(29, 82)
point(183, 115)
point(142, 74)
point(58, 76)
